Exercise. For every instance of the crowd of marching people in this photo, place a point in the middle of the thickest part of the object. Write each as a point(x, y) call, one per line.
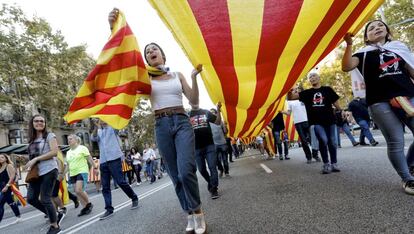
point(198, 139)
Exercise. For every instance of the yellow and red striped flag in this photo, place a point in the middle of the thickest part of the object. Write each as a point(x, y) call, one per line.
point(18, 194)
point(113, 87)
point(290, 128)
point(269, 140)
point(253, 51)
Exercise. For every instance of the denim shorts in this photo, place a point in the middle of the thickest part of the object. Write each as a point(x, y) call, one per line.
point(82, 177)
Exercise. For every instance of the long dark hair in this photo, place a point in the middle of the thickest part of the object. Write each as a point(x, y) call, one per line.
point(387, 38)
point(32, 130)
point(159, 47)
point(8, 161)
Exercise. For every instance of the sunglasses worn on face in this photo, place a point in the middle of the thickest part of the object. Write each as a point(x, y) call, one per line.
point(38, 121)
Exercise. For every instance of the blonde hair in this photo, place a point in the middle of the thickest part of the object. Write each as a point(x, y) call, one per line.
point(77, 138)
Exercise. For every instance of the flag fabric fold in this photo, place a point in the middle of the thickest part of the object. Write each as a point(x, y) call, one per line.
point(253, 51)
point(111, 90)
point(18, 194)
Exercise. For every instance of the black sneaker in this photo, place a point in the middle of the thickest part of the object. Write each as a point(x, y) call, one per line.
point(107, 214)
point(409, 187)
point(280, 157)
point(60, 216)
point(214, 194)
point(374, 143)
point(76, 203)
point(86, 210)
point(134, 204)
point(363, 144)
point(287, 158)
point(355, 144)
point(53, 230)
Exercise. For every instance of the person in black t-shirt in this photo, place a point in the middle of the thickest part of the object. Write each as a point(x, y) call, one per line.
point(318, 101)
point(359, 110)
point(386, 66)
point(278, 126)
point(204, 145)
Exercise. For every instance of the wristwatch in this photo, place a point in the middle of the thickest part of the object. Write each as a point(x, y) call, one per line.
point(8, 185)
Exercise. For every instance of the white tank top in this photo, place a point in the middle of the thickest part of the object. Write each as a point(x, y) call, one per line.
point(166, 93)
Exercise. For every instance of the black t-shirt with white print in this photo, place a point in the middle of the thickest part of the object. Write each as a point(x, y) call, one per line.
point(385, 76)
point(318, 103)
point(200, 120)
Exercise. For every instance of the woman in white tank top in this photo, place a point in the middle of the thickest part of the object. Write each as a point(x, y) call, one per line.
point(173, 130)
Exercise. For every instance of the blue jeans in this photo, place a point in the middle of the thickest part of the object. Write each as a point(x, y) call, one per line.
point(7, 198)
point(327, 141)
point(390, 124)
point(208, 154)
point(175, 140)
point(304, 135)
point(314, 139)
point(222, 157)
point(347, 131)
point(114, 168)
point(149, 168)
point(365, 132)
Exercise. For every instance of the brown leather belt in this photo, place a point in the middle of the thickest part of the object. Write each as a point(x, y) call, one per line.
point(170, 112)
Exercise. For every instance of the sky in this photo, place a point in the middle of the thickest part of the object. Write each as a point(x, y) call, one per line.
point(86, 22)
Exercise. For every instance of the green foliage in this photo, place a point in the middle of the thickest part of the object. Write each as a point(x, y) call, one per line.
point(331, 73)
point(141, 126)
point(38, 71)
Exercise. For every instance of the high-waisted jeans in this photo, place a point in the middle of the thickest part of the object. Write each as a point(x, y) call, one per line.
point(390, 122)
point(176, 143)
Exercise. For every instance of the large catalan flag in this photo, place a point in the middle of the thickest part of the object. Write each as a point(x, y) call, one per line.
point(269, 140)
point(253, 51)
point(290, 128)
point(113, 87)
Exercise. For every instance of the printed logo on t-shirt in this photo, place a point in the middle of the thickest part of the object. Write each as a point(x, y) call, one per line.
point(199, 121)
point(318, 99)
point(389, 64)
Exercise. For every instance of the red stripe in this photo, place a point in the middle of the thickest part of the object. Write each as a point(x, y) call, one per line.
point(104, 95)
point(277, 27)
point(117, 39)
point(333, 13)
point(212, 17)
point(118, 62)
point(120, 110)
point(287, 123)
point(390, 62)
point(292, 133)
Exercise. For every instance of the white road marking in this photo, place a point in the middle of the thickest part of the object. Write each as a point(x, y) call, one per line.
point(41, 214)
point(92, 220)
point(376, 147)
point(266, 168)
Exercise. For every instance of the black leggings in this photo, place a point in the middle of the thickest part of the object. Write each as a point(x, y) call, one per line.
point(43, 187)
point(137, 171)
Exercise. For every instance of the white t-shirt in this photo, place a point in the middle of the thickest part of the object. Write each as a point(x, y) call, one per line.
point(298, 111)
point(136, 159)
point(148, 153)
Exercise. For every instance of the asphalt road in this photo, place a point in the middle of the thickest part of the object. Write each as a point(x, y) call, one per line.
point(263, 196)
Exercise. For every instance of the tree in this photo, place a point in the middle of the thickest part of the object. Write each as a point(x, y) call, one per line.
point(39, 72)
point(142, 125)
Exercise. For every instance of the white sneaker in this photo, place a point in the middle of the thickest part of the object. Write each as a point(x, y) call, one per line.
point(200, 223)
point(409, 187)
point(190, 224)
point(18, 220)
point(138, 184)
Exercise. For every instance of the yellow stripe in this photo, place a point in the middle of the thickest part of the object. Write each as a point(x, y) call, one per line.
point(129, 43)
point(114, 79)
point(245, 48)
point(122, 98)
point(190, 40)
